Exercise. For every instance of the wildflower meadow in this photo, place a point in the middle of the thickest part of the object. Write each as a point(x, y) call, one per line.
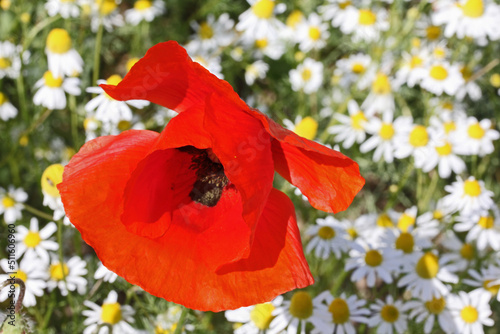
point(249, 166)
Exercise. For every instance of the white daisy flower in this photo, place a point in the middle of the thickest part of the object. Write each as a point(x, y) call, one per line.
point(256, 70)
point(388, 316)
point(380, 98)
point(112, 313)
point(293, 23)
point(63, 60)
point(339, 314)
point(51, 91)
point(7, 110)
point(259, 21)
point(468, 196)
point(476, 137)
point(34, 242)
point(441, 77)
point(373, 227)
point(65, 8)
point(471, 311)
point(430, 224)
point(412, 142)
point(166, 322)
point(211, 34)
point(470, 87)
point(306, 127)
point(104, 273)
point(425, 278)
point(105, 12)
point(336, 11)
point(10, 60)
point(365, 24)
point(356, 228)
point(352, 127)
point(210, 62)
point(11, 203)
point(308, 76)
point(108, 110)
point(487, 280)
point(411, 70)
point(312, 33)
point(68, 276)
point(370, 263)
point(299, 310)
point(328, 237)
point(31, 272)
point(482, 227)
point(51, 177)
point(355, 68)
point(144, 10)
point(430, 311)
point(459, 255)
point(273, 47)
point(254, 319)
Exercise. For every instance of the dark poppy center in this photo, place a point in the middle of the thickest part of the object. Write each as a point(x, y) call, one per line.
point(210, 178)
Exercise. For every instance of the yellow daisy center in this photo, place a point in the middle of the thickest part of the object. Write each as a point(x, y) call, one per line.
point(8, 202)
point(428, 266)
point(373, 258)
point(415, 42)
point(419, 136)
point(466, 73)
point(352, 233)
point(294, 18)
point(472, 188)
point(381, 85)
point(5, 63)
point(21, 275)
point(32, 239)
point(106, 6)
point(405, 221)
point(438, 214)
point(314, 33)
point(416, 61)
point(3, 98)
point(486, 222)
point(58, 271)
point(339, 310)
point(301, 305)
point(326, 233)
point(357, 120)
point(433, 32)
point(261, 43)
point(141, 5)
point(124, 125)
point(306, 74)
point(494, 79)
point(111, 313)
point(52, 82)
point(473, 8)
point(358, 68)
point(386, 131)
point(405, 242)
point(367, 17)
point(384, 221)
point(389, 313)
point(51, 177)
point(444, 149)
point(131, 62)
point(491, 288)
point(263, 9)
point(439, 52)
point(475, 131)
point(467, 252)
point(206, 31)
point(307, 128)
point(261, 315)
point(438, 72)
point(435, 305)
point(469, 314)
point(449, 127)
point(5, 4)
point(344, 4)
point(58, 41)
point(25, 17)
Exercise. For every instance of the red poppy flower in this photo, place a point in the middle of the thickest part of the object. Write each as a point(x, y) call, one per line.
point(191, 214)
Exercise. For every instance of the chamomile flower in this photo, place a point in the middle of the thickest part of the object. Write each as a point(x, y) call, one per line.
point(425, 279)
point(104, 273)
point(373, 227)
point(299, 310)
point(293, 22)
point(468, 196)
point(259, 20)
point(339, 314)
point(256, 70)
point(388, 316)
point(351, 128)
point(328, 237)
point(476, 137)
point(482, 227)
point(308, 76)
point(459, 255)
point(487, 280)
point(166, 322)
point(64, 8)
point(105, 12)
point(34, 242)
point(412, 142)
point(409, 243)
point(273, 47)
point(144, 10)
point(10, 61)
point(429, 311)
point(380, 98)
point(211, 34)
point(365, 24)
point(63, 60)
point(52, 89)
point(306, 127)
point(312, 34)
point(370, 263)
point(11, 203)
point(108, 110)
point(31, 272)
point(112, 313)
point(471, 311)
point(441, 77)
point(7, 110)
point(432, 222)
point(254, 319)
point(210, 62)
point(335, 11)
point(410, 71)
point(470, 87)
point(51, 177)
point(72, 271)
point(354, 69)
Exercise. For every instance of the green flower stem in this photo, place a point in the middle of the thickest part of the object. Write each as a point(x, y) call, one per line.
point(36, 29)
point(21, 94)
point(97, 53)
point(37, 212)
point(74, 121)
point(338, 282)
point(424, 203)
point(180, 323)
point(401, 184)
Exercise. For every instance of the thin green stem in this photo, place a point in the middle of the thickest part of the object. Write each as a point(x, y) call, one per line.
point(74, 121)
point(400, 186)
point(37, 212)
point(21, 94)
point(180, 323)
point(424, 203)
point(97, 52)
point(36, 29)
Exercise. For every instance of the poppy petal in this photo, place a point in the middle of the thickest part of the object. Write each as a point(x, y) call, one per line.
point(329, 179)
point(167, 76)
